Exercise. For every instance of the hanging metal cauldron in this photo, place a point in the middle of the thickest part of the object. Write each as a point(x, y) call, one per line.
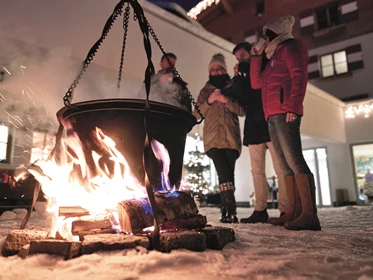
point(123, 121)
point(130, 123)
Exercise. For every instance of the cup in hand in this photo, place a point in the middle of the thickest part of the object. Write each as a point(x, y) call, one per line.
point(259, 44)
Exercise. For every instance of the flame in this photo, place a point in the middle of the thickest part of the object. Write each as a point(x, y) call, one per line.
point(162, 155)
point(67, 180)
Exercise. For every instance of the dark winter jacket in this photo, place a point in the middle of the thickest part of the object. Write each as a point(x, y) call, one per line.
point(256, 127)
point(284, 79)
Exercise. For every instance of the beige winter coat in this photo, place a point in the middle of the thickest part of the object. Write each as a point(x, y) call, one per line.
point(221, 127)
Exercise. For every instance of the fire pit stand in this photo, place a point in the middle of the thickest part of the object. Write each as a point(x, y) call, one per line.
point(137, 122)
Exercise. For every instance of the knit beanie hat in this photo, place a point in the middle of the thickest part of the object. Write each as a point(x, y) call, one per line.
point(281, 25)
point(218, 59)
point(243, 45)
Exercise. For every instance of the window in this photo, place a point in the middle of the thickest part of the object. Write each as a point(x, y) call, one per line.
point(4, 136)
point(334, 64)
point(328, 16)
point(42, 145)
point(317, 160)
point(259, 8)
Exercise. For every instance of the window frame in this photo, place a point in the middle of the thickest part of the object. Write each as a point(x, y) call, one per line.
point(335, 74)
point(257, 3)
point(8, 145)
point(327, 7)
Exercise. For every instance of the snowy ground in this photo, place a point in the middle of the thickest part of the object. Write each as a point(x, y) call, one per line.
point(342, 250)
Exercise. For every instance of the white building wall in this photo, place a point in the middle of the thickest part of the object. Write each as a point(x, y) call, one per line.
point(340, 166)
point(360, 129)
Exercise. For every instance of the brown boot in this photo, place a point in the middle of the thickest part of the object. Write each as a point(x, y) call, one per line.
point(294, 205)
point(308, 220)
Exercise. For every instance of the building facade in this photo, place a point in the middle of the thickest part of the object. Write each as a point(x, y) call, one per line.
point(339, 36)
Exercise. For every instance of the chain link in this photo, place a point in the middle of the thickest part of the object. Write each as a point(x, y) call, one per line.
point(125, 28)
point(118, 11)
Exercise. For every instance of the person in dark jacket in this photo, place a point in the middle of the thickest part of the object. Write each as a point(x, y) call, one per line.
point(283, 82)
point(221, 132)
point(256, 138)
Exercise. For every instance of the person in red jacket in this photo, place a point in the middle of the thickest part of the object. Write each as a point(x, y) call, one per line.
point(283, 82)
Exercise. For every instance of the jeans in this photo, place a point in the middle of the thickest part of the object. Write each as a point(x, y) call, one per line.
point(257, 159)
point(285, 137)
point(225, 162)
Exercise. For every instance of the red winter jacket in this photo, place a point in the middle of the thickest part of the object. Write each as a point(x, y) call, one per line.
point(284, 79)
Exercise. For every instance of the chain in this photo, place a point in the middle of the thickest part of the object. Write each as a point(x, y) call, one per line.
point(117, 11)
point(125, 28)
point(175, 72)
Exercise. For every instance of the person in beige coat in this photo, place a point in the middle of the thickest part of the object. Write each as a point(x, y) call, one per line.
point(221, 132)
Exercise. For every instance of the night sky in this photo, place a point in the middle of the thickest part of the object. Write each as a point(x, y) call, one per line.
point(186, 4)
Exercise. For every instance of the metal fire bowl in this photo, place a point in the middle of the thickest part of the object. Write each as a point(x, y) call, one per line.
point(123, 121)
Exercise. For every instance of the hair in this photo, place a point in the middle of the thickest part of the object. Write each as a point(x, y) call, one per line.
point(243, 45)
point(170, 55)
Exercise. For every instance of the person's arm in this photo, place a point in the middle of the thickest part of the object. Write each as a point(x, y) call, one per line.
point(255, 72)
point(202, 103)
point(233, 106)
point(296, 59)
point(256, 67)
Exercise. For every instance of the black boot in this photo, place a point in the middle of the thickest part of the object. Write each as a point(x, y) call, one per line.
point(256, 217)
point(223, 209)
point(228, 203)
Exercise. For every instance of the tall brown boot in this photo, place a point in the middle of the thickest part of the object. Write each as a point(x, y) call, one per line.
point(294, 205)
point(308, 219)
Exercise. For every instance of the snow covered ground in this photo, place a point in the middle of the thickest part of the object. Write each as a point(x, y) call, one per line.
point(342, 250)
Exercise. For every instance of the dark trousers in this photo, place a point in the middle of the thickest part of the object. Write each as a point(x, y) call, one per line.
point(285, 137)
point(225, 162)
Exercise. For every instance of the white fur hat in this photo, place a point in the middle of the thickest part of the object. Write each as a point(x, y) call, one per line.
point(281, 25)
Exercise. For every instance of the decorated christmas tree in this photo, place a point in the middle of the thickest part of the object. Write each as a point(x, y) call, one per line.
point(198, 177)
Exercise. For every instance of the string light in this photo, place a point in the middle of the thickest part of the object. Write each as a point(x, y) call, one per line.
point(362, 108)
point(201, 6)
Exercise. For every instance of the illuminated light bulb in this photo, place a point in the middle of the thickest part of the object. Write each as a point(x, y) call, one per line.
point(201, 6)
point(363, 108)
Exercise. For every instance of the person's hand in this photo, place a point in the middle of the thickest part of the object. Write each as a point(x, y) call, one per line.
point(235, 70)
point(222, 99)
point(291, 117)
point(213, 96)
point(254, 51)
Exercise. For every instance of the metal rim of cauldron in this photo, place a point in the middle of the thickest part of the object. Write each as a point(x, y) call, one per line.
point(125, 104)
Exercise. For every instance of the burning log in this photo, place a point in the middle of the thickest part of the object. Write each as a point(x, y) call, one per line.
point(72, 211)
point(87, 225)
point(136, 214)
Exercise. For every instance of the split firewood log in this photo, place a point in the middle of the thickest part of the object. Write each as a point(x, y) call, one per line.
point(136, 214)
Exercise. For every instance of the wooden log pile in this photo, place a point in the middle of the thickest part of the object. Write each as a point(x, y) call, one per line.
point(181, 227)
point(136, 214)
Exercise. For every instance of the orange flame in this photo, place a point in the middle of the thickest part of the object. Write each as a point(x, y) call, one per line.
point(99, 193)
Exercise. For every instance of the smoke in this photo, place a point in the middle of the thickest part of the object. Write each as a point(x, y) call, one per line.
point(163, 89)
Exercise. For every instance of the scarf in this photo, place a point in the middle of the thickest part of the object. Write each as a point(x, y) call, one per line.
point(270, 49)
point(219, 81)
